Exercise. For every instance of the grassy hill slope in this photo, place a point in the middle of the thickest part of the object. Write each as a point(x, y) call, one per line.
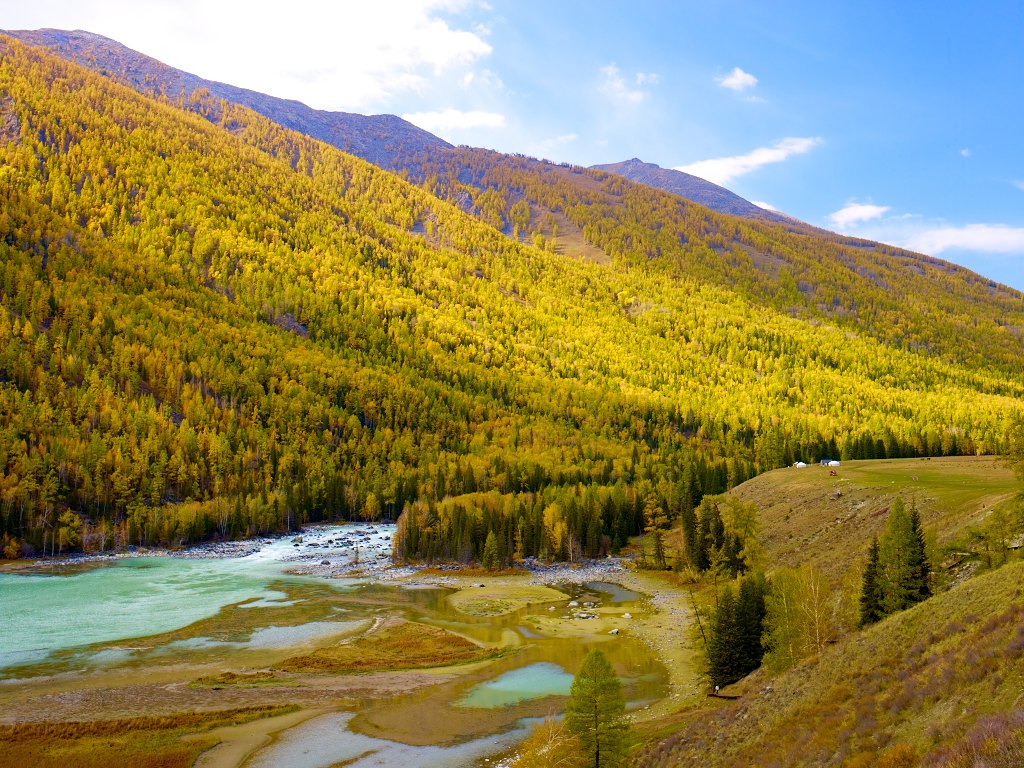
point(937, 685)
point(809, 516)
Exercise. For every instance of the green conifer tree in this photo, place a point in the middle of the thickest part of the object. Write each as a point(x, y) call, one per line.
point(750, 614)
point(724, 643)
point(871, 589)
point(490, 556)
point(895, 554)
point(596, 712)
point(919, 567)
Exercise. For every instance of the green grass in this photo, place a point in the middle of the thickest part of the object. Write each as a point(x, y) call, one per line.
point(809, 516)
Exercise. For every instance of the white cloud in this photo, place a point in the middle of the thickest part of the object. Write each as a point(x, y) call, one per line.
point(723, 170)
point(617, 88)
point(766, 206)
point(854, 213)
point(737, 80)
point(485, 79)
point(443, 120)
point(965, 152)
point(986, 238)
point(350, 56)
point(1019, 184)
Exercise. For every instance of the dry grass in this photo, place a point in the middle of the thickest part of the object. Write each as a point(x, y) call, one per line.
point(895, 694)
point(239, 680)
point(400, 645)
point(142, 742)
point(502, 598)
point(809, 516)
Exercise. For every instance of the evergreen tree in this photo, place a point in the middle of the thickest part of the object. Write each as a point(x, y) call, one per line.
point(724, 644)
point(490, 556)
point(750, 614)
point(871, 589)
point(596, 712)
point(919, 567)
point(895, 558)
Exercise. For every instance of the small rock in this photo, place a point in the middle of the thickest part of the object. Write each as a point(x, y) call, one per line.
point(325, 562)
point(627, 616)
point(614, 632)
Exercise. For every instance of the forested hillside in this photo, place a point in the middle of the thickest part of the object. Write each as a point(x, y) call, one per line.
point(904, 299)
point(214, 326)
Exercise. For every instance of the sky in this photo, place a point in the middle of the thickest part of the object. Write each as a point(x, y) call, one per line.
point(894, 121)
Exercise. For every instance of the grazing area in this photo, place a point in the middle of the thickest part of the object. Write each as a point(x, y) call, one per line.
point(811, 516)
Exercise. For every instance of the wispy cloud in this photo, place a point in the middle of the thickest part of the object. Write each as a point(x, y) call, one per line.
point(485, 79)
point(737, 80)
point(443, 120)
point(985, 238)
point(766, 206)
point(723, 170)
point(1019, 184)
point(852, 214)
point(619, 89)
point(965, 152)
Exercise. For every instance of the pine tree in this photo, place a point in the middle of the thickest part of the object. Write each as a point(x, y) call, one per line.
point(490, 556)
point(750, 613)
point(918, 565)
point(895, 553)
point(596, 712)
point(724, 665)
point(871, 589)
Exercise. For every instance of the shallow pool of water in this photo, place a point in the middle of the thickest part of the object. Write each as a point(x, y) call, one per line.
point(327, 741)
point(534, 681)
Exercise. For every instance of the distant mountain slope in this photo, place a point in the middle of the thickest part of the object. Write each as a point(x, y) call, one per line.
point(380, 139)
point(693, 188)
point(904, 299)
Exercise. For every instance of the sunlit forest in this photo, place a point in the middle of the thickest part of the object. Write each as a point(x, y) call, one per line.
point(215, 327)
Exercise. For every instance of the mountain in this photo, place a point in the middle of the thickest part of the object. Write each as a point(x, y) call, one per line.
point(214, 325)
point(692, 188)
point(903, 299)
point(380, 139)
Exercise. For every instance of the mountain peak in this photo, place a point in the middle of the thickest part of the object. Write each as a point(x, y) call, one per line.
point(692, 188)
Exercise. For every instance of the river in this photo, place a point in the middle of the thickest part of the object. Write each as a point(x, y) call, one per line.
point(98, 637)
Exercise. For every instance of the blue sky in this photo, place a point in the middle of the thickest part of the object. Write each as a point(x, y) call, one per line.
point(892, 121)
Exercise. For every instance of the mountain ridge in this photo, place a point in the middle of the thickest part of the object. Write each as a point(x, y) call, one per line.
point(694, 188)
point(379, 139)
